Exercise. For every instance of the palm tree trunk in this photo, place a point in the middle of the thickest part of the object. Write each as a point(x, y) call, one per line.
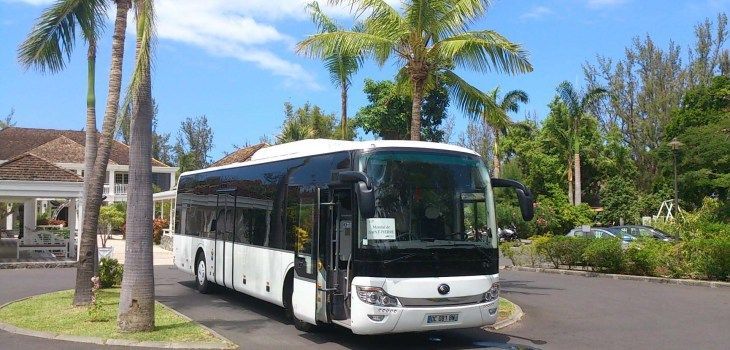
point(576, 164)
point(571, 198)
point(136, 303)
point(90, 147)
point(93, 200)
point(343, 101)
point(416, 108)
point(495, 156)
point(137, 298)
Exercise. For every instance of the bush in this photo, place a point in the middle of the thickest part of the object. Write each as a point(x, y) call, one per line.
point(521, 255)
point(110, 272)
point(561, 250)
point(157, 226)
point(604, 254)
point(708, 258)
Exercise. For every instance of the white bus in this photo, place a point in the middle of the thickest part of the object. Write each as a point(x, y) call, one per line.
point(375, 236)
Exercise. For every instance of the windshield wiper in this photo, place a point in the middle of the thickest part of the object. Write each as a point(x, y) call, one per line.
point(409, 255)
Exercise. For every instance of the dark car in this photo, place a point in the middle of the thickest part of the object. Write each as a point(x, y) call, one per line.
point(642, 231)
point(602, 232)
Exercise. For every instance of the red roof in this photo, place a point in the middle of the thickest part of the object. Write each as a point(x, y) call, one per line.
point(16, 141)
point(29, 167)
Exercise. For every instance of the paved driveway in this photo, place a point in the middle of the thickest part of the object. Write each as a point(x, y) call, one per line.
point(562, 312)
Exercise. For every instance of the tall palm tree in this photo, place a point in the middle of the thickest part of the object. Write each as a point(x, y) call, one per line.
point(495, 114)
point(137, 298)
point(428, 37)
point(340, 66)
point(578, 104)
point(48, 47)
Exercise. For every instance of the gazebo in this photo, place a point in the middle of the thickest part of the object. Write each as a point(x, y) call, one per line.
point(28, 179)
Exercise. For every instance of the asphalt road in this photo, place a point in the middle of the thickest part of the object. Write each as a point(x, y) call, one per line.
point(562, 312)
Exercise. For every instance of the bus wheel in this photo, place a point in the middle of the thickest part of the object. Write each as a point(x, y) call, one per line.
point(200, 280)
point(298, 324)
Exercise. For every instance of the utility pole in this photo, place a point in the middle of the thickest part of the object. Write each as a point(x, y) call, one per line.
point(675, 144)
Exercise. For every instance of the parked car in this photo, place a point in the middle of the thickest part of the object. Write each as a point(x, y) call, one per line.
point(643, 231)
point(601, 232)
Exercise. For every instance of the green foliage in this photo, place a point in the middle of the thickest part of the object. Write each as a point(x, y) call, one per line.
point(309, 122)
point(110, 272)
point(561, 250)
point(618, 197)
point(604, 254)
point(553, 214)
point(388, 113)
point(709, 257)
point(650, 257)
point(112, 216)
point(194, 143)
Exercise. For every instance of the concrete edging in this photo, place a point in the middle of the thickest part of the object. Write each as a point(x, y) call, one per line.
point(513, 318)
point(37, 265)
point(226, 345)
point(664, 280)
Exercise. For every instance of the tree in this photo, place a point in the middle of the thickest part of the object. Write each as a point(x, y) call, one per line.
point(47, 48)
point(137, 297)
point(648, 84)
point(8, 121)
point(429, 38)
point(619, 197)
point(496, 116)
point(339, 65)
point(388, 112)
point(161, 148)
point(308, 122)
point(194, 142)
point(578, 105)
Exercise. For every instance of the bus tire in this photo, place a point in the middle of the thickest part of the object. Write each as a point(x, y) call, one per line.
point(201, 270)
point(289, 308)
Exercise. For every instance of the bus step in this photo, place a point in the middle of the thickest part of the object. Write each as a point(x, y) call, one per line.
point(344, 323)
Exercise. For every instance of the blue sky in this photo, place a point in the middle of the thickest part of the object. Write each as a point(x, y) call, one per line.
point(234, 60)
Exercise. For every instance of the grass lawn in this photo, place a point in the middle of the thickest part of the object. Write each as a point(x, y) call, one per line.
point(54, 313)
point(505, 309)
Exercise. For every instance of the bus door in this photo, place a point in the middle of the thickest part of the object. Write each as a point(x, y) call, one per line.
point(306, 268)
point(224, 239)
point(336, 224)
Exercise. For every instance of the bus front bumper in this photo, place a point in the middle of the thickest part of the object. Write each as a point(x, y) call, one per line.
point(370, 319)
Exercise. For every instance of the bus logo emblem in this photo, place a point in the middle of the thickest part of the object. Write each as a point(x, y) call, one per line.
point(444, 289)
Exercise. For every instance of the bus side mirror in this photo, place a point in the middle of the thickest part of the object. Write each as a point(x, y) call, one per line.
point(524, 196)
point(363, 189)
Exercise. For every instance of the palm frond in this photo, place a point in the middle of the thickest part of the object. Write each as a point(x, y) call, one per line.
point(323, 22)
point(483, 51)
point(570, 97)
point(51, 41)
point(512, 99)
point(592, 96)
point(348, 43)
point(468, 98)
point(379, 8)
point(145, 16)
point(461, 13)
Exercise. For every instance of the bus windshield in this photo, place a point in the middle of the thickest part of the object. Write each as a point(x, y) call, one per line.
point(427, 201)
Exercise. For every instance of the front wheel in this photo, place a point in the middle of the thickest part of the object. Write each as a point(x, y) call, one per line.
point(200, 280)
point(298, 324)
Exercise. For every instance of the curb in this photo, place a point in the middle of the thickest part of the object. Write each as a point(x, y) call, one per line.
point(37, 265)
point(662, 280)
point(513, 318)
point(226, 345)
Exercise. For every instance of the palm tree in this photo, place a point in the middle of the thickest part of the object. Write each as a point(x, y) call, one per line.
point(578, 104)
point(495, 114)
point(137, 298)
point(49, 45)
point(340, 66)
point(50, 40)
point(429, 37)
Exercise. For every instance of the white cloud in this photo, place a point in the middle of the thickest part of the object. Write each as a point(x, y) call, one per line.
point(595, 4)
point(32, 2)
point(537, 12)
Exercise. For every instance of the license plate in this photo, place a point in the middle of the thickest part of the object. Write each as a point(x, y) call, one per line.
point(443, 318)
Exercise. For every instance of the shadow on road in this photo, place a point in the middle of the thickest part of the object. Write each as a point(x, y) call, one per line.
point(524, 287)
point(265, 313)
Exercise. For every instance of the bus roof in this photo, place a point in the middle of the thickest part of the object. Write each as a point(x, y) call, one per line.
point(313, 147)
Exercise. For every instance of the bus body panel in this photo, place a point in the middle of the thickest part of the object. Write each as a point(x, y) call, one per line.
point(415, 318)
point(181, 253)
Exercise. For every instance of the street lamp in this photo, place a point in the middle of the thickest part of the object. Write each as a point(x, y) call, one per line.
point(676, 145)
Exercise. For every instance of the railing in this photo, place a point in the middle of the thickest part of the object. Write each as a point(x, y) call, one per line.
point(119, 189)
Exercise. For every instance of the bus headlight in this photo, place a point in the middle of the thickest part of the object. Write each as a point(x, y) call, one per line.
point(376, 296)
point(492, 294)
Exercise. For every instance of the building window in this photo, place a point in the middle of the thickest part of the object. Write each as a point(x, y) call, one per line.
point(121, 178)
